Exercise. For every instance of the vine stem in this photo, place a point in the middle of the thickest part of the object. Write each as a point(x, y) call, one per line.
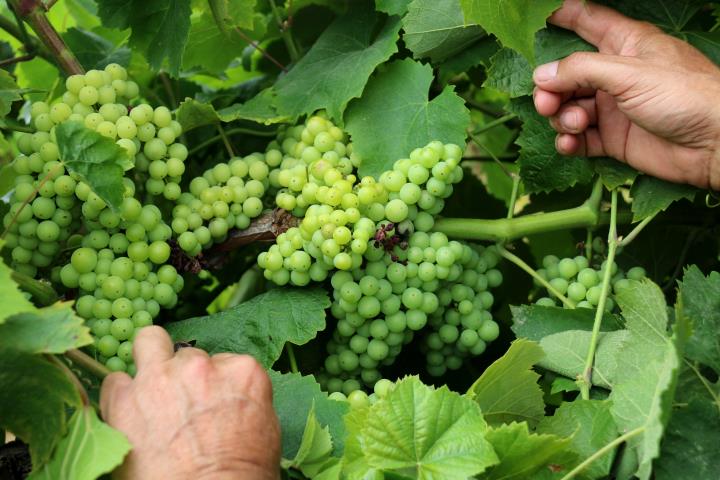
point(291, 357)
point(529, 270)
point(228, 133)
point(495, 123)
point(585, 381)
point(604, 450)
point(226, 141)
point(513, 196)
point(71, 376)
point(41, 292)
point(286, 36)
point(33, 12)
point(87, 363)
point(626, 240)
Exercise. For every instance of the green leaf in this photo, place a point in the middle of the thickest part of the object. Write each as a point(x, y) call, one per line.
point(315, 448)
point(535, 322)
point(94, 51)
point(259, 109)
point(33, 396)
point(613, 173)
point(425, 433)
point(701, 304)
point(651, 195)
point(90, 449)
point(508, 390)
point(477, 54)
point(591, 426)
point(394, 116)
point(436, 29)
point(9, 92)
point(192, 114)
point(542, 168)
point(55, 329)
point(354, 463)
point(512, 73)
point(671, 15)
point(648, 366)
point(213, 43)
point(261, 326)
point(293, 398)
point(230, 14)
point(392, 7)
point(13, 300)
point(338, 66)
point(522, 453)
point(514, 22)
point(98, 160)
point(159, 27)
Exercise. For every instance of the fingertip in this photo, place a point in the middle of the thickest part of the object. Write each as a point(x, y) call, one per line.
point(567, 144)
point(547, 103)
point(152, 345)
point(110, 387)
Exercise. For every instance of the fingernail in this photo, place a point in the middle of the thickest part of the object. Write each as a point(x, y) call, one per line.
point(546, 72)
point(570, 120)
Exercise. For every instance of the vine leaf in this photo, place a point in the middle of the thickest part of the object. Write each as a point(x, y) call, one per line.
point(94, 51)
point(591, 426)
point(652, 195)
point(9, 92)
point(98, 160)
point(338, 65)
point(522, 453)
point(392, 7)
point(231, 14)
point(90, 449)
point(648, 367)
point(535, 322)
point(701, 304)
point(192, 114)
point(436, 29)
point(426, 433)
point(315, 452)
point(54, 329)
point(259, 327)
point(13, 300)
point(508, 390)
point(513, 22)
point(542, 168)
point(159, 27)
point(394, 116)
point(294, 396)
point(33, 396)
point(671, 15)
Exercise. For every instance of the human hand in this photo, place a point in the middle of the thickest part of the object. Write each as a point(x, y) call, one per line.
point(647, 99)
point(192, 416)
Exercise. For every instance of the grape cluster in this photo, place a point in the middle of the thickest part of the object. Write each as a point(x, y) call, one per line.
point(118, 259)
point(227, 196)
point(581, 283)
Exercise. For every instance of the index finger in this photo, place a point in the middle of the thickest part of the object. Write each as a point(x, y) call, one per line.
point(604, 27)
point(152, 345)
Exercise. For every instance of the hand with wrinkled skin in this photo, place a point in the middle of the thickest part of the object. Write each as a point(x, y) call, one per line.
point(192, 416)
point(646, 98)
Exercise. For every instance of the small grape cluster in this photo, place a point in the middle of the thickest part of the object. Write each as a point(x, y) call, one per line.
point(228, 195)
point(581, 282)
point(118, 263)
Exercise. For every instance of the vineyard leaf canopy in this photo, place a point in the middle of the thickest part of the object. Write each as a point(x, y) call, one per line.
point(394, 116)
point(513, 22)
point(701, 304)
point(54, 329)
point(338, 65)
point(652, 195)
point(392, 7)
point(13, 300)
point(436, 29)
point(33, 396)
point(9, 92)
point(431, 433)
point(315, 448)
point(95, 51)
point(294, 396)
point(99, 161)
point(591, 426)
point(90, 449)
point(508, 390)
point(648, 366)
point(522, 453)
point(261, 326)
point(535, 322)
point(159, 27)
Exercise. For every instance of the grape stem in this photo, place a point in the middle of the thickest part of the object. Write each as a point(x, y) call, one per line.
point(603, 451)
point(33, 12)
point(585, 380)
point(513, 196)
point(495, 123)
point(71, 376)
point(232, 131)
point(87, 363)
point(291, 356)
point(586, 215)
point(285, 32)
point(530, 271)
point(41, 292)
point(626, 240)
point(30, 44)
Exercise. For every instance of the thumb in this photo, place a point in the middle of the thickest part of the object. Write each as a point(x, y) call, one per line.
point(587, 70)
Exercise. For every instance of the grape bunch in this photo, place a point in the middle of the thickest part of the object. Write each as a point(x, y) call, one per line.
point(118, 260)
point(581, 283)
